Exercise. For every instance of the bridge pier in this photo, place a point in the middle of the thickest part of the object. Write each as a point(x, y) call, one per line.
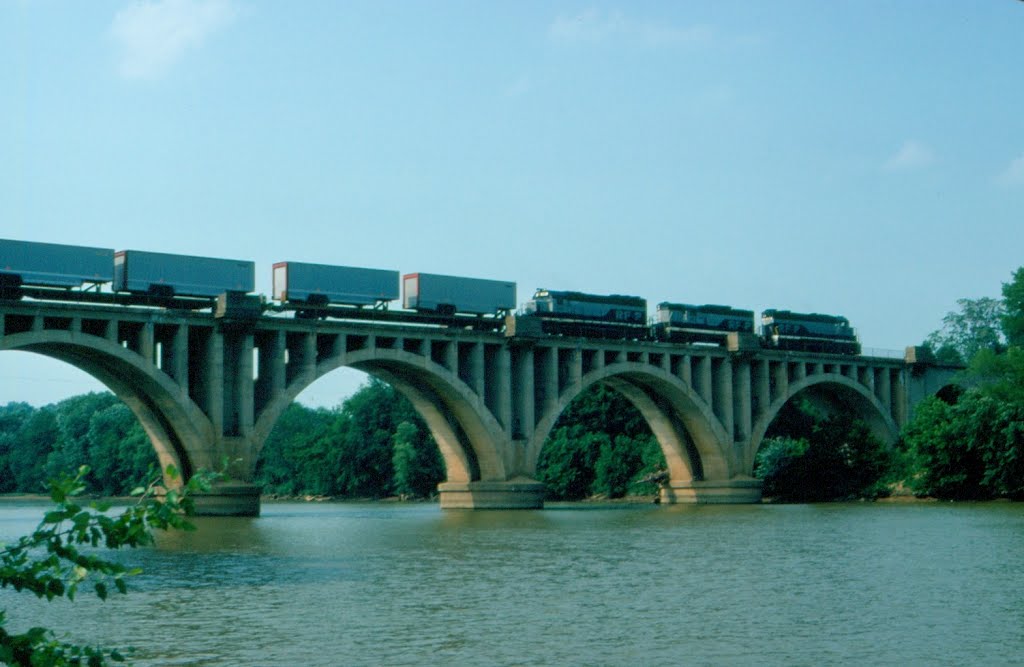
point(229, 498)
point(733, 491)
point(516, 494)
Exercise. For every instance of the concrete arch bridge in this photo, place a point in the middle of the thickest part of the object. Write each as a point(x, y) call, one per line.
point(207, 389)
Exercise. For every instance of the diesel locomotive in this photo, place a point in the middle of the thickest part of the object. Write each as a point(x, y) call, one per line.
point(589, 315)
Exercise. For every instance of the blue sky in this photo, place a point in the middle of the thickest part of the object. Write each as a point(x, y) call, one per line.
point(858, 158)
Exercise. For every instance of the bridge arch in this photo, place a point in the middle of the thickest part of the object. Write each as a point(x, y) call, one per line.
point(692, 438)
point(178, 430)
point(836, 394)
point(466, 433)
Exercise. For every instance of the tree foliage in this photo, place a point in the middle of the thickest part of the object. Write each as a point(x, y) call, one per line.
point(976, 326)
point(811, 457)
point(94, 430)
point(1013, 309)
point(373, 446)
point(974, 447)
point(601, 446)
point(61, 556)
point(970, 450)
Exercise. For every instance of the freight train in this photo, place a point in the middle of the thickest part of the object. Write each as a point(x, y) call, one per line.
point(134, 277)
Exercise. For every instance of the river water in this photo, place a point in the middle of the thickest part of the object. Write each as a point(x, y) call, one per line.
point(383, 584)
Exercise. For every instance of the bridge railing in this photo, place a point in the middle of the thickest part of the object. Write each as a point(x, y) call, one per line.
point(882, 352)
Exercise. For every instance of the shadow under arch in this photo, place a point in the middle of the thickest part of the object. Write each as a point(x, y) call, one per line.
point(467, 434)
point(835, 394)
point(692, 438)
point(177, 429)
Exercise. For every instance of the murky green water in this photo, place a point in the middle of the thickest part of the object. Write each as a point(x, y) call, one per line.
point(850, 584)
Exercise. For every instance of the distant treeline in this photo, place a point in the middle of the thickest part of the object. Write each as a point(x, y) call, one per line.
point(374, 445)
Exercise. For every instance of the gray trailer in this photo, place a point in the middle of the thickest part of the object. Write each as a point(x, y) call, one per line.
point(53, 264)
point(323, 284)
point(163, 274)
point(452, 294)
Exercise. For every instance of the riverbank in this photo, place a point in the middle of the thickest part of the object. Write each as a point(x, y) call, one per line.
point(29, 498)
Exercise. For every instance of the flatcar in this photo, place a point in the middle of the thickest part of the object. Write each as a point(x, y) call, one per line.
point(589, 315)
point(686, 323)
point(808, 332)
point(448, 295)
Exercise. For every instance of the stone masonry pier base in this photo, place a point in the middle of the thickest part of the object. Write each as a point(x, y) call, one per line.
point(731, 491)
point(523, 494)
point(229, 499)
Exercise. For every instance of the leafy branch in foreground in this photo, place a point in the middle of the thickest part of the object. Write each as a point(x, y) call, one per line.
point(60, 556)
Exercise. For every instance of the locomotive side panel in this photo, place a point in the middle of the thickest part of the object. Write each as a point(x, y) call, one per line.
point(577, 305)
point(809, 332)
point(701, 324)
point(589, 315)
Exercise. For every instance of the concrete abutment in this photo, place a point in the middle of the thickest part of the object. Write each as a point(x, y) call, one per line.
point(733, 491)
point(515, 494)
point(229, 498)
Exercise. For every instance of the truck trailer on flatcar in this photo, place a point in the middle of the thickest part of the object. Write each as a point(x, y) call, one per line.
point(166, 275)
point(322, 285)
point(447, 295)
point(53, 265)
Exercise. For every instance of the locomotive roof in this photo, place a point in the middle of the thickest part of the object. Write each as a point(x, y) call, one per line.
point(618, 299)
point(707, 308)
point(812, 317)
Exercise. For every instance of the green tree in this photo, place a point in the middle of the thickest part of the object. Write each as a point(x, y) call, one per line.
point(601, 445)
point(349, 451)
point(71, 449)
point(810, 457)
point(999, 376)
point(403, 459)
point(30, 448)
point(119, 450)
point(973, 449)
point(293, 460)
point(60, 556)
point(361, 442)
point(567, 461)
point(976, 326)
point(617, 462)
point(12, 418)
point(1013, 309)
